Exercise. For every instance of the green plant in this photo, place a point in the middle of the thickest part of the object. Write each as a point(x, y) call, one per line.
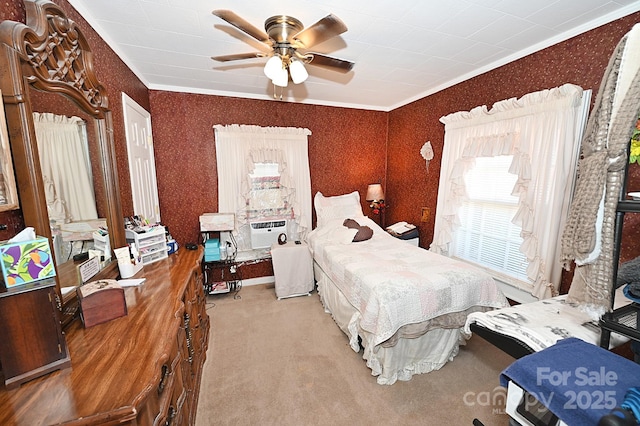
point(634, 151)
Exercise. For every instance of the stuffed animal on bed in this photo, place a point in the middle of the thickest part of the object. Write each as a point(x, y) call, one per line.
point(364, 232)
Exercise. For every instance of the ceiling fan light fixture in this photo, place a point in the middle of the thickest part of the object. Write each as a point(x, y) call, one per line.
point(298, 72)
point(284, 35)
point(274, 67)
point(282, 78)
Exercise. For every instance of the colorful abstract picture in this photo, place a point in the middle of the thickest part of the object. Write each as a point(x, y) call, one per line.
point(26, 262)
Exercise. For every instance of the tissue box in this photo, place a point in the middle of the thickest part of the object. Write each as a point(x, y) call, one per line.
point(101, 301)
point(26, 261)
point(212, 250)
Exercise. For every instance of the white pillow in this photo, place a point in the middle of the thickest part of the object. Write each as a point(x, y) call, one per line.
point(344, 235)
point(339, 207)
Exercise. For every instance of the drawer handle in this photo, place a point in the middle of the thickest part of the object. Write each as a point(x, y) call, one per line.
point(171, 415)
point(189, 337)
point(163, 379)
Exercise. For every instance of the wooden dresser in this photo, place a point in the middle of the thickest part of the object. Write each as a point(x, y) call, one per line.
point(140, 369)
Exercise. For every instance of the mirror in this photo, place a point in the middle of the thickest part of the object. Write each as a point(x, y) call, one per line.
point(47, 57)
point(71, 173)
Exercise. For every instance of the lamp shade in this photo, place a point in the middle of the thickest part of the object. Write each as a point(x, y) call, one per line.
point(298, 72)
point(282, 79)
point(375, 192)
point(273, 68)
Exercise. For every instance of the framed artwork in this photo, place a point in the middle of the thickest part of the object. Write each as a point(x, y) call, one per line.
point(8, 190)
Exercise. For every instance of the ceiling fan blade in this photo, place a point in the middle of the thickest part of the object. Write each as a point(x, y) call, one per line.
point(238, 56)
point(336, 64)
point(326, 28)
point(242, 25)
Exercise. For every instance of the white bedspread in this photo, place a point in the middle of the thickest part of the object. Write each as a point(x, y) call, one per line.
point(392, 283)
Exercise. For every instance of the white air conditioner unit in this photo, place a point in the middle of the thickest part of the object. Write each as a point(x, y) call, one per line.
point(265, 233)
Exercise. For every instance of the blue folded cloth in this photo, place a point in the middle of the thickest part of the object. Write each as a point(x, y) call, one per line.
point(578, 381)
point(632, 402)
point(632, 291)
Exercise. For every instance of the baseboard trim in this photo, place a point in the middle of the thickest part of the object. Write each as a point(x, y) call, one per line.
point(514, 293)
point(257, 281)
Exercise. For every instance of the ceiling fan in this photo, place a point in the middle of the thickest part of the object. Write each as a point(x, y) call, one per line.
point(287, 38)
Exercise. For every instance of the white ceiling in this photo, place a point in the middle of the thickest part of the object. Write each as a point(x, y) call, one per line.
point(403, 49)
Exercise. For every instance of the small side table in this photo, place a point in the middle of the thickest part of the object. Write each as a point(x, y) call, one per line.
point(33, 343)
point(293, 269)
point(412, 236)
point(222, 276)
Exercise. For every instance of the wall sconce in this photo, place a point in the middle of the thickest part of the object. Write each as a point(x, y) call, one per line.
point(427, 152)
point(375, 195)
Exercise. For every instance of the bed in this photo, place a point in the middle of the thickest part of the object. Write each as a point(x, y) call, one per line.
point(404, 306)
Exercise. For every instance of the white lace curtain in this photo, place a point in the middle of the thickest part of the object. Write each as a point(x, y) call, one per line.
point(65, 164)
point(240, 147)
point(269, 200)
point(542, 130)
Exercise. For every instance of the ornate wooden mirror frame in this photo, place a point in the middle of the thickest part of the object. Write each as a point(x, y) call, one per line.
point(51, 54)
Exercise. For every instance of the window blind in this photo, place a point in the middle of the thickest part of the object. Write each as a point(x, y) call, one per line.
point(486, 235)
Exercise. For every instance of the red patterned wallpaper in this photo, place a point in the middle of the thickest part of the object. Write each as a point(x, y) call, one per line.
point(348, 147)
point(581, 60)
point(115, 76)
point(12, 10)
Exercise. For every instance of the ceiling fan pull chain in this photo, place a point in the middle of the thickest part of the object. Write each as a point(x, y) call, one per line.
point(275, 92)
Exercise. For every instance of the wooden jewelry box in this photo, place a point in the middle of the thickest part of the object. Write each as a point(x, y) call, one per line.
point(101, 301)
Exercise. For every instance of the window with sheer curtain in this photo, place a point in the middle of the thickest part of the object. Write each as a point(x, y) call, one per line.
point(506, 180)
point(266, 196)
point(263, 173)
point(66, 167)
point(487, 235)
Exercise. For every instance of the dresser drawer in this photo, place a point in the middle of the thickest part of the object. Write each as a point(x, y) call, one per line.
point(159, 399)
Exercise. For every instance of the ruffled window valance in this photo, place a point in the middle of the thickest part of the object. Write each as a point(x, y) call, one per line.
point(541, 131)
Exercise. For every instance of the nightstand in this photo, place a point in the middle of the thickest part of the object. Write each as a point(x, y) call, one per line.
point(293, 269)
point(412, 236)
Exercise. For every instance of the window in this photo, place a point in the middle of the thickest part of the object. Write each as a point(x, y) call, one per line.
point(66, 168)
point(267, 196)
point(263, 172)
point(521, 150)
point(487, 236)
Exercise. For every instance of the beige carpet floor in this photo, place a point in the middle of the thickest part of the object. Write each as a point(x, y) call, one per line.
point(285, 362)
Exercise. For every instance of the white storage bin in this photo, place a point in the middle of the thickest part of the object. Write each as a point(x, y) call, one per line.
point(101, 243)
point(152, 245)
